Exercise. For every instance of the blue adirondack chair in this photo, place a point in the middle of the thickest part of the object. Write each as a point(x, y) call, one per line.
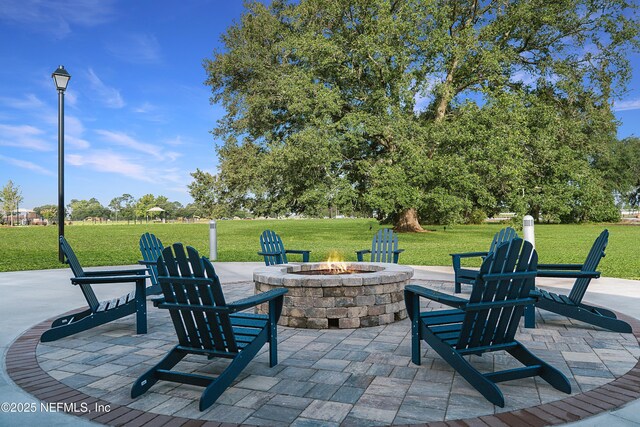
point(151, 248)
point(468, 276)
point(208, 325)
point(100, 312)
point(487, 322)
point(571, 305)
point(384, 247)
point(273, 250)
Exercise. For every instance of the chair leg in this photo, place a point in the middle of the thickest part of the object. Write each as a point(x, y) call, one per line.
point(149, 378)
point(588, 314)
point(273, 333)
point(530, 316)
point(547, 372)
point(486, 387)
point(224, 380)
point(412, 303)
point(456, 268)
point(61, 321)
point(141, 307)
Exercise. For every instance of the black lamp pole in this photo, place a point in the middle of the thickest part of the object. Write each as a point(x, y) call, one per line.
point(61, 79)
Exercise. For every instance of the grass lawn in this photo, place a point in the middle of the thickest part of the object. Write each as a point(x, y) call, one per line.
point(33, 248)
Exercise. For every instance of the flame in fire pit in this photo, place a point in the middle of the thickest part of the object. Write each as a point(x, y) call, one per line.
point(335, 263)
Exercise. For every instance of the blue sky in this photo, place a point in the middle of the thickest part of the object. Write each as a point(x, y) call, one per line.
point(138, 117)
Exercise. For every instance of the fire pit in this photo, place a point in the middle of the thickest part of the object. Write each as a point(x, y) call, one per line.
point(358, 294)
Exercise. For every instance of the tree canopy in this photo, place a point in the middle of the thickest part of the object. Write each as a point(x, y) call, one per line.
point(442, 110)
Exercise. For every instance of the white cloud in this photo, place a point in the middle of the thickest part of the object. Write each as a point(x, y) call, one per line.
point(145, 108)
point(137, 48)
point(26, 165)
point(108, 95)
point(631, 104)
point(108, 161)
point(24, 136)
point(124, 140)
point(177, 141)
point(29, 102)
point(56, 17)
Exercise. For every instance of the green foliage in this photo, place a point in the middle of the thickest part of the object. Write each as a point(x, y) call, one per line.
point(48, 212)
point(10, 198)
point(27, 248)
point(444, 107)
point(83, 209)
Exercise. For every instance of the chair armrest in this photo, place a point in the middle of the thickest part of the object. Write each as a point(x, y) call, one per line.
point(254, 300)
point(128, 272)
point(107, 279)
point(361, 253)
point(440, 297)
point(147, 263)
point(560, 267)
point(397, 251)
point(569, 274)
point(296, 251)
point(469, 254)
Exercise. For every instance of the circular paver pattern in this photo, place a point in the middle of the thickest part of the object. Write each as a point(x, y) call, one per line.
point(326, 377)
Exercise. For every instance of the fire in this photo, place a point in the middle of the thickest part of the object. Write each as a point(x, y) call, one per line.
point(335, 263)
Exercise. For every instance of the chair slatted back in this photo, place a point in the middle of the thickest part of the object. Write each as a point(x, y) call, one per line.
point(498, 298)
point(191, 283)
point(505, 235)
point(590, 264)
point(271, 242)
point(383, 244)
point(77, 270)
point(151, 248)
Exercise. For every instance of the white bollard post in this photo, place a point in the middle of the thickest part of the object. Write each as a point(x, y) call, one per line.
point(527, 229)
point(213, 241)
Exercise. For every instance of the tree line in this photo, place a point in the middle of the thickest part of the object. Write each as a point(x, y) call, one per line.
point(433, 111)
point(125, 207)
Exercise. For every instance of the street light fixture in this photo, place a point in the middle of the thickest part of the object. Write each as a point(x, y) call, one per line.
point(61, 79)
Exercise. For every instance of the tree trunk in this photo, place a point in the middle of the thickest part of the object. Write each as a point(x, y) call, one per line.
point(407, 221)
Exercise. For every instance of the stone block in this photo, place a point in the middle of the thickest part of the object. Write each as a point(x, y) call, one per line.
point(353, 291)
point(383, 299)
point(294, 292)
point(385, 318)
point(349, 322)
point(296, 312)
point(397, 296)
point(317, 323)
point(375, 310)
point(352, 281)
point(371, 279)
point(283, 321)
point(400, 315)
point(356, 311)
point(325, 302)
point(365, 300)
point(333, 292)
point(374, 290)
point(327, 282)
point(336, 312)
point(368, 321)
point(297, 322)
point(345, 302)
point(315, 312)
point(311, 292)
point(393, 307)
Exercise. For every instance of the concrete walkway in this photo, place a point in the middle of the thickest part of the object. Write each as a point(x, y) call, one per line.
point(29, 297)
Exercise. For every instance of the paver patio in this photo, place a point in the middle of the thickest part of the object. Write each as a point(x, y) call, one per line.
point(331, 377)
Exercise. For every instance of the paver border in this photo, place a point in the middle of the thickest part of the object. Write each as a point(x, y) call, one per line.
point(23, 368)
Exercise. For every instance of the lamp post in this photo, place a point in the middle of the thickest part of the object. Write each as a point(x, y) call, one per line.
point(61, 79)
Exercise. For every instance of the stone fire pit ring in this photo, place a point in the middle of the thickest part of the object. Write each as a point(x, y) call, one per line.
point(371, 295)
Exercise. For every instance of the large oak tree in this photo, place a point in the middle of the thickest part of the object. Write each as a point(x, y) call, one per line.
point(432, 110)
